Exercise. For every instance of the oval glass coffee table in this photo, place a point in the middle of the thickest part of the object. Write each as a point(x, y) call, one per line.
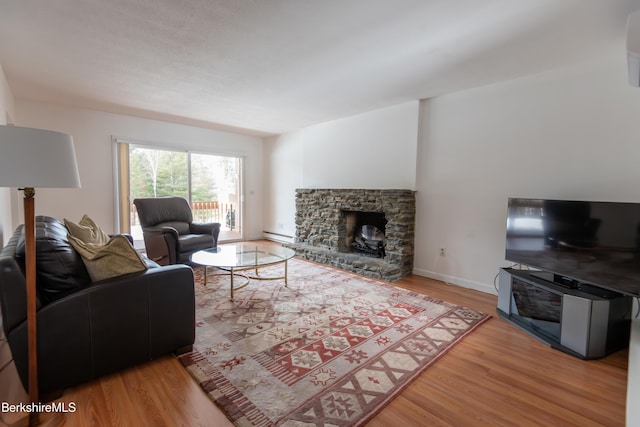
point(237, 258)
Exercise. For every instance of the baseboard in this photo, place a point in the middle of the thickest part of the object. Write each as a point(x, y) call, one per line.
point(469, 284)
point(276, 237)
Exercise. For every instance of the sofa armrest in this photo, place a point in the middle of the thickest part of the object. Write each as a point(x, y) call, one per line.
point(110, 325)
point(13, 293)
point(204, 228)
point(162, 230)
point(212, 228)
point(162, 299)
point(128, 236)
point(160, 244)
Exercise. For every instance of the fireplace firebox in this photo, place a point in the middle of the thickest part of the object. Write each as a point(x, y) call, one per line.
point(364, 233)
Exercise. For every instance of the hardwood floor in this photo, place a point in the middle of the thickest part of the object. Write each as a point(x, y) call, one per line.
point(497, 376)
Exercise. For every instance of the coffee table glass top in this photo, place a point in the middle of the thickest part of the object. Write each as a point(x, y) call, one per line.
point(243, 255)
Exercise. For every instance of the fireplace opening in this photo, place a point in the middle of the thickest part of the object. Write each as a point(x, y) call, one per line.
point(365, 233)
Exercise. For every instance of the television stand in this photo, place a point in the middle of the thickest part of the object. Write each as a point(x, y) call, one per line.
point(582, 320)
point(569, 283)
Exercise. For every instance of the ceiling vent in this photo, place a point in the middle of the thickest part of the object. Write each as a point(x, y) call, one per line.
point(633, 48)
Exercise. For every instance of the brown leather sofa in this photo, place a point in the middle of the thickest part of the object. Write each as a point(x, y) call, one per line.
point(87, 330)
point(170, 235)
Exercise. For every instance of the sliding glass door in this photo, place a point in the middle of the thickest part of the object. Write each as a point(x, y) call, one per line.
point(212, 184)
point(215, 192)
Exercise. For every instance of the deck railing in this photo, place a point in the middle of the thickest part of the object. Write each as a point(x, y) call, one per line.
point(210, 211)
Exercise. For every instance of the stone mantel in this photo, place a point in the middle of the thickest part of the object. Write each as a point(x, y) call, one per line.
point(321, 229)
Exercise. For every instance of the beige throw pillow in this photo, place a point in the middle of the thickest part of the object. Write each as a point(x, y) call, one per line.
point(87, 231)
point(104, 257)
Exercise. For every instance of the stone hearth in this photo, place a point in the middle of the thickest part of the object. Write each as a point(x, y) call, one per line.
point(322, 231)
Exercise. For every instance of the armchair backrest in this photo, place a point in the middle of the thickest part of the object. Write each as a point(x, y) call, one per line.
point(157, 210)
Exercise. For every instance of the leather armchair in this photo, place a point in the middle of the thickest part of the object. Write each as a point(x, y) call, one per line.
point(170, 235)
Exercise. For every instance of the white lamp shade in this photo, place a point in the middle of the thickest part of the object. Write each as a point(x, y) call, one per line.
point(37, 158)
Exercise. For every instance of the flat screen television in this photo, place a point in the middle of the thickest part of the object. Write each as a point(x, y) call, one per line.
point(577, 243)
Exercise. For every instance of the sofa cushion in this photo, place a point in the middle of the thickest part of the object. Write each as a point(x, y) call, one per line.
point(59, 268)
point(103, 257)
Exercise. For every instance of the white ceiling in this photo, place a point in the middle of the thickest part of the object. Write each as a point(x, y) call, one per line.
point(271, 66)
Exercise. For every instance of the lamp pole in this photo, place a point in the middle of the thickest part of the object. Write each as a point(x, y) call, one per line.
point(30, 276)
point(32, 158)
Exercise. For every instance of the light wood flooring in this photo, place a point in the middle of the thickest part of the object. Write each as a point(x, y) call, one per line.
point(497, 376)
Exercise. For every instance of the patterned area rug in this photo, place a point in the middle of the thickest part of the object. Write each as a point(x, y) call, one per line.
point(331, 349)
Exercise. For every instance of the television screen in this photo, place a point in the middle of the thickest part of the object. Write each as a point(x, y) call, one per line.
point(594, 243)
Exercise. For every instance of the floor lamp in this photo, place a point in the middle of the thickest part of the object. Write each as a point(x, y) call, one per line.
point(31, 158)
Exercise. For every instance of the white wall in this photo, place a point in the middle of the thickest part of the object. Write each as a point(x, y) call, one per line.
point(633, 380)
point(11, 390)
point(7, 115)
point(374, 150)
point(92, 132)
point(283, 174)
point(7, 101)
point(569, 134)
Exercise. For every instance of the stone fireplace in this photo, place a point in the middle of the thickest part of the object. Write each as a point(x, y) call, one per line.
point(370, 232)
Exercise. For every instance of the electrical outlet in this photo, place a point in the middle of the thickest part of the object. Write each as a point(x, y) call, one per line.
point(443, 251)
